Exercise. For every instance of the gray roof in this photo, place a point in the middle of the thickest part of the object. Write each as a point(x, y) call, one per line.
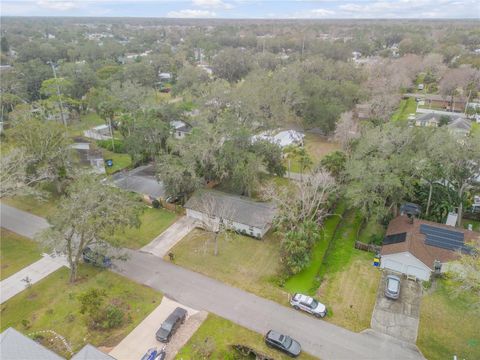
point(16, 346)
point(90, 352)
point(140, 180)
point(244, 210)
point(460, 124)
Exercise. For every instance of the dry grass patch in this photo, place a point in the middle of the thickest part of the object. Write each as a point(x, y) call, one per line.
point(318, 146)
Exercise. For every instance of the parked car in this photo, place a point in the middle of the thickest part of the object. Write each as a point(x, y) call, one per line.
point(283, 343)
point(175, 199)
point(308, 304)
point(392, 287)
point(171, 324)
point(95, 258)
point(151, 354)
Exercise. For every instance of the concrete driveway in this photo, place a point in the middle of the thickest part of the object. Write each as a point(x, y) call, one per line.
point(142, 338)
point(398, 318)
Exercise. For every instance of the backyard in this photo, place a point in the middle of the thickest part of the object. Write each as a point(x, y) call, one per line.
point(242, 261)
point(52, 304)
point(449, 325)
point(405, 109)
point(214, 338)
point(16, 252)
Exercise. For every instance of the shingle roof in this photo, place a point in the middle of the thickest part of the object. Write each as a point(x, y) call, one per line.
point(415, 241)
point(90, 352)
point(243, 210)
point(16, 346)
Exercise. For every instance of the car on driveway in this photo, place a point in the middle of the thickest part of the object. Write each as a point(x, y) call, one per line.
point(95, 258)
point(308, 304)
point(283, 343)
point(392, 287)
point(171, 324)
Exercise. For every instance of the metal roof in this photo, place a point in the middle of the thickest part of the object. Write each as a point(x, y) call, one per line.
point(15, 346)
point(90, 352)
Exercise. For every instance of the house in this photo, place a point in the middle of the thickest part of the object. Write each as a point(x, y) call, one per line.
point(430, 119)
point(180, 128)
point(283, 138)
point(90, 156)
point(460, 126)
point(140, 180)
point(90, 352)
point(239, 213)
point(438, 101)
point(418, 247)
point(14, 346)
point(100, 132)
point(164, 77)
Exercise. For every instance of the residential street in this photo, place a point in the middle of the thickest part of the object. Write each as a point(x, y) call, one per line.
point(317, 337)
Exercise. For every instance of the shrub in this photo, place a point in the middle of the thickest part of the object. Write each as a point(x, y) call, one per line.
point(107, 144)
point(113, 317)
point(26, 323)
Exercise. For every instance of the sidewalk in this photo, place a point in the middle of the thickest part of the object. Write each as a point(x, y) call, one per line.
point(40, 269)
point(166, 240)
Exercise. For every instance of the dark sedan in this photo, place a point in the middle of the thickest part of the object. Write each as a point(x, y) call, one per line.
point(283, 343)
point(171, 324)
point(95, 258)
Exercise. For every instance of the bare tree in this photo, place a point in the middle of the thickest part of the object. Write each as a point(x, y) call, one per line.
point(347, 129)
point(457, 79)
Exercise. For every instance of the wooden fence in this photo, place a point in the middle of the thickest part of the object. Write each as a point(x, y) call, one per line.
point(367, 247)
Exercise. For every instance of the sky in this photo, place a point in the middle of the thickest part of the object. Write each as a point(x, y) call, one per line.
point(237, 9)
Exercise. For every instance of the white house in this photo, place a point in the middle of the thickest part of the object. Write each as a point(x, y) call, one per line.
point(418, 247)
point(180, 128)
point(282, 138)
point(100, 132)
point(238, 213)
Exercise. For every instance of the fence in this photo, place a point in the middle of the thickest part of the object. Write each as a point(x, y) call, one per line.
point(367, 247)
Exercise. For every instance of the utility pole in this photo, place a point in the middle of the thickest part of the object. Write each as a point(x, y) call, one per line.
point(58, 94)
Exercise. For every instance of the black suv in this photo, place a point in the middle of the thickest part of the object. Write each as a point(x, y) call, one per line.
point(171, 324)
point(283, 343)
point(95, 258)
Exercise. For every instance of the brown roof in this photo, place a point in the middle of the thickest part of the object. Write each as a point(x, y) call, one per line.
point(415, 241)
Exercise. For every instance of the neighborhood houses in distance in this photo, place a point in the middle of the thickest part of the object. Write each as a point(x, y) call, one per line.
point(220, 179)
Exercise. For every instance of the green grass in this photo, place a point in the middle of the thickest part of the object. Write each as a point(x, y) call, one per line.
point(475, 128)
point(406, 107)
point(16, 252)
point(475, 224)
point(31, 204)
point(448, 325)
point(52, 304)
point(242, 261)
point(120, 161)
point(306, 281)
point(214, 338)
point(349, 281)
point(87, 121)
point(153, 223)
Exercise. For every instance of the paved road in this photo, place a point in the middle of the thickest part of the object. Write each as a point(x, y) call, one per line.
point(317, 337)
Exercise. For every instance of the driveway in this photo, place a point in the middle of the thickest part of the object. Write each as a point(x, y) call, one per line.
point(398, 318)
point(142, 338)
point(166, 240)
point(318, 337)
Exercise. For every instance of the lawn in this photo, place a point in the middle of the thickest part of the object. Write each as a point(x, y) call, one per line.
point(87, 121)
point(16, 252)
point(242, 261)
point(307, 281)
point(448, 325)
point(475, 224)
point(153, 223)
point(52, 304)
point(120, 161)
point(40, 207)
point(349, 281)
point(406, 107)
point(215, 336)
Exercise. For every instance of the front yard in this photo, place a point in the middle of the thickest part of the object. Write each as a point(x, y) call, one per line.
point(214, 338)
point(41, 207)
point(448, 325)
point(16, 252)
point(120, 161)
point(242, 261)
point(52, 304)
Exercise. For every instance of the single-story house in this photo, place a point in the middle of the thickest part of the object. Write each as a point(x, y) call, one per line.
point(417, 247)
point(282, 138)
point(140, 180)
point(429, 119)
point(460, 126)
point(458, 103)
point(239, 213)
point(100, 132)
point(163, 76)
point(90, 352)
point(180, 128)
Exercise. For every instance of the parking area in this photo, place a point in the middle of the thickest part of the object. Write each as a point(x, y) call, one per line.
point(142, 338)
point(398, 318)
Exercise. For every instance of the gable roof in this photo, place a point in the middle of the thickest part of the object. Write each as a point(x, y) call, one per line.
point(460, 124)
point(90, 352)
point(414, 242)
point(14, 346)
point(244, 210)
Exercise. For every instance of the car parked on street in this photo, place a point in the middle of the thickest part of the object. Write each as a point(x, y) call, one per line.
point(95, 258)
point(171, 324)
point(283, 343)
point(308, 304)
point(392, 287)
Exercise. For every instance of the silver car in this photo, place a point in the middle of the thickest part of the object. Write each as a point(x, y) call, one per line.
point(392, 287)
point(308, 304)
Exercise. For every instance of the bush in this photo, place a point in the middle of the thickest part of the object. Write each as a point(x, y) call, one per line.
point(107, 144)
point(113, 317)
point(156, 204)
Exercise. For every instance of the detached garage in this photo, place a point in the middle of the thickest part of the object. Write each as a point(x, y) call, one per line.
point(414, 247)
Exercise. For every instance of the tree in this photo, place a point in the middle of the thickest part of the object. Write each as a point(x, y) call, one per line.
point(88, 215)
point(141, 73)
point(346, 130)
point(4, 46)
point(457, 79)
point(334, 163)
point(231, 64)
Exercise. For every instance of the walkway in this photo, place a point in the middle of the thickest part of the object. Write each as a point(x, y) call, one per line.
point(35, 272)
point(166, 240)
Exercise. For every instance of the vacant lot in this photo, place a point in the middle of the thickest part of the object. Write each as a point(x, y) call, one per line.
point(242, 261)
point(349, 281)
point(52, 304)
point(154, 222)
point(16, 252)
point(214, 338)
point(448, 325)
